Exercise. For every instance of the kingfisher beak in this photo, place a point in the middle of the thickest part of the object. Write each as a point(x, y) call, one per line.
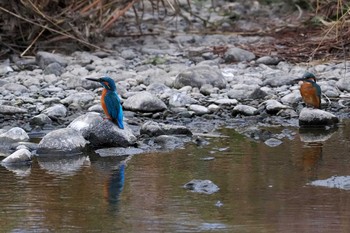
point(94, 79)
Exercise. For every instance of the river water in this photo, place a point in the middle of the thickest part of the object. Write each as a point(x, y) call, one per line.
point(262, 189)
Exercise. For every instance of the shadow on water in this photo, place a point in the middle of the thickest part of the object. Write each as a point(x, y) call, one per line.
point(262, 189)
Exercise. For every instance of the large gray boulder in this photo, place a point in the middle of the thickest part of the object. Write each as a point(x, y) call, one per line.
point(62, 140)
point(199, 75)
point(108, 134)
point(144, 102)
point(85, 123)
point(310, 117)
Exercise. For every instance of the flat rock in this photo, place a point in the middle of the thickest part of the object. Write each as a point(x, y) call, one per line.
point(244, 110)
point(199, 75)
point(169, 142)
point(202, 186)
point(309, 117)
point(118, 151)
point(152, 128)
point(198, 109)
point(61, 140)
point(144, 102)
point(10, 110)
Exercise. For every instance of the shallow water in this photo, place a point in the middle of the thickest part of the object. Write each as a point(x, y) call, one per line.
point(262, 189)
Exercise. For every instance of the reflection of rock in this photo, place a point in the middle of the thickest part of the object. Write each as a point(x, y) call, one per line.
point(23, 170)
point(63, 165)
point(315, 134)
point(202, 186)
point(340, 182)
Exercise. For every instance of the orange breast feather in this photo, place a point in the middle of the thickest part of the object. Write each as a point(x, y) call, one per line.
point(104, 92)
point(309, 94)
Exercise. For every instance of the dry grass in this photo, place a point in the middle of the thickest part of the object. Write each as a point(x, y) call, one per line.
point(26, 22)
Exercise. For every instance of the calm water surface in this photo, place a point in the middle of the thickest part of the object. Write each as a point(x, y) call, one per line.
point(262, 189)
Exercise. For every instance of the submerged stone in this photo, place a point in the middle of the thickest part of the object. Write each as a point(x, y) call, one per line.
point(202, 186)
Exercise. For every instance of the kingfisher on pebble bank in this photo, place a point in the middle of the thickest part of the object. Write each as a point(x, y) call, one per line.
point(110, 100)
point(310, 91)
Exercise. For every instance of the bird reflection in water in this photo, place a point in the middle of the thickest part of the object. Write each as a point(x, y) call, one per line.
point(114, 186)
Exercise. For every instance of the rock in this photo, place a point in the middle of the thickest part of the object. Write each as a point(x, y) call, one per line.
point(79, 98)
point(61, 140)
point(54, 68)
point(277, 79)
point(10, 110)
point(273, 106)
point(241, 91)
point(19, 157)
point(198, 76)
point(343, 84)
point(107, 134)
point(258, 93)
point(15, 87)
point(213, 108)
point(238, 55)
point(45, 58)
point(40, 120)
point(316, 117)
point(169, 142)
point(181, 100)
point(225, 101)
point(5, 67)
point(198, 109)
point(202, 186)
point(128, 54)
point(244, 110)
point(339, 182)
point(15, 134)
point(85, 123)
point(56, 111)
point(291, 98)
point(273, 142)
point(207, 89)
point(118, 151)
point(152, 128)
point(268, 60)
point(144, 102)
point(157, 88)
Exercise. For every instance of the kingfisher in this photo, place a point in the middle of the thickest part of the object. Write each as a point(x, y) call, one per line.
point(110, 100)
point(310, 91)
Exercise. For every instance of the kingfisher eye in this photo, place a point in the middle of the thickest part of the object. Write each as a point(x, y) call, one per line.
point(107, 85)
